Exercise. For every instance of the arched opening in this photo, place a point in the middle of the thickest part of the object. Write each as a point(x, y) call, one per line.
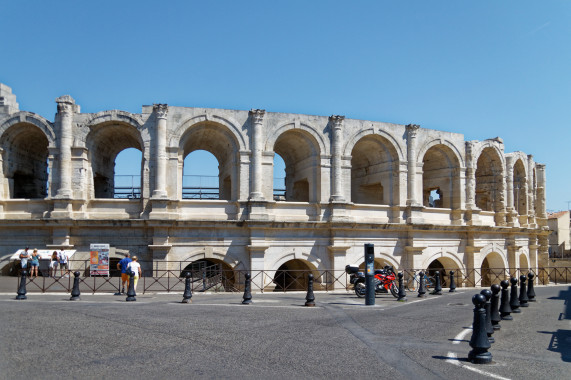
point(523, 262)
point(488, 180)
point(373, 164)
point(292, 275)
point(440, 178)
point(300, 153)
point(127, 179)
point(279, 189)
point(200, 176)
point(210, 274)
point(25, 162)
point(217, 147)
point(493, 269)
point(443, 265)
point(104, 143)
point(520, 188)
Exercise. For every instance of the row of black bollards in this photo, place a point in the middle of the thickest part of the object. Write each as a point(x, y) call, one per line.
point(489, 310)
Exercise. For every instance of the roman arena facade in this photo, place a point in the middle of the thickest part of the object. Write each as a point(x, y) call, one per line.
point(420, 196)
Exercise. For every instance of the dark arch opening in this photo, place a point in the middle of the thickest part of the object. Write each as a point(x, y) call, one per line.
point(26, 161)
point(292, 276)
point(210, 274)
point(492, 271)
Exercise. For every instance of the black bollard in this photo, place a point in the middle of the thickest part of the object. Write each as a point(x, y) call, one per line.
point(452, 282)
point(402, 292)
point(495, 307)
point(131, 290)
point(505, 308)
point(438, 287)
point(487, 306)
point(421, 288)
point(479, 340)
point(75, 290)
point(247, 299)
point(310, 298)
point(530, 290)
point(514, 302)
point(523, 291)
point(22, 288)
point(187, 295)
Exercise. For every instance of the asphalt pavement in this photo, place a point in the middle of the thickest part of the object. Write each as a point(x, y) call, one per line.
point(103, 336)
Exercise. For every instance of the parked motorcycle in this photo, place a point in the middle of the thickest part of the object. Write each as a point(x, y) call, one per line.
point(384, 281)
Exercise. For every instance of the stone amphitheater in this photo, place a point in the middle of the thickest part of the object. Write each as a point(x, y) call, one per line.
point(426, 199)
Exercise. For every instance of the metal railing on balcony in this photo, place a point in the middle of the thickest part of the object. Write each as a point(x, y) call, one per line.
point(127, 187)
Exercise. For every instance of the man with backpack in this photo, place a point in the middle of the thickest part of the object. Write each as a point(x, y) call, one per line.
point(63, 263)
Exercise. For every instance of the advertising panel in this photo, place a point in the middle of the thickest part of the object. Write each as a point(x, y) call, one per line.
point(99, 263)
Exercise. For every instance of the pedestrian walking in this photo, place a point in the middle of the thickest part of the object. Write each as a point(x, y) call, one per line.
point(135, 267)
point(122, 266)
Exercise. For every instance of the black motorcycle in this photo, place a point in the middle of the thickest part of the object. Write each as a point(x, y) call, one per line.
point(384, 281)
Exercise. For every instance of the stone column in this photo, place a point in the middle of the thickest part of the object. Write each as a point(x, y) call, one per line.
point(509, 184)
point(161, 112)
point(64, 119)
point(530, 191)
point(336, 153)
point(257, 148)
point(540, 194)
point(338, 256)
point(470, 176)
point(411, 132)
point(2, 179)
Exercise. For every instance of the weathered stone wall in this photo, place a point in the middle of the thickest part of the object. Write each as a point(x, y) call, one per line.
point(348, 182)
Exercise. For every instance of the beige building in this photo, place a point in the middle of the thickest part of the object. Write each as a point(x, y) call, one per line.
point(559, 236)
point(425, 198)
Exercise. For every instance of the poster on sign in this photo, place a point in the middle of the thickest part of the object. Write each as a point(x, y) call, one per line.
point(99, 263)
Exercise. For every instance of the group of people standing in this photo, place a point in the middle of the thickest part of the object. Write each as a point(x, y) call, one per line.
point(126, 266)
point(33, 262)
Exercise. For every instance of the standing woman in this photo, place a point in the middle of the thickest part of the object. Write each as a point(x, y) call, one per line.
point(53, 264)
point(134, 266)
point(35, 263)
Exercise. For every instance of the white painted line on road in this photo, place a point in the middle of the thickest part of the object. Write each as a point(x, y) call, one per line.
point(452, 358)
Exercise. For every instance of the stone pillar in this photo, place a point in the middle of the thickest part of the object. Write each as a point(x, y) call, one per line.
point(256, 176)
point(2, 179)
point(64, 120)
point(540, 194)
point(511, 213)
point(510, 184)
point(470, 176)
point(533, 248)
point(336, 153)
point(530, 191)
point(411, 132)
point(257, 267)
point(338, 257)
point(161, 112)
point(500, 216)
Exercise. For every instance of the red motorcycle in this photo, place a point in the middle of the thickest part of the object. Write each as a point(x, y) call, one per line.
point(384, 281)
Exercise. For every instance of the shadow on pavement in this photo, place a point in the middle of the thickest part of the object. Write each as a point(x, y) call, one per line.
point(561, 339)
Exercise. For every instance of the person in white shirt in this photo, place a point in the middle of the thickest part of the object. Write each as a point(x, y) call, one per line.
point(134, 266)
point(63, 264)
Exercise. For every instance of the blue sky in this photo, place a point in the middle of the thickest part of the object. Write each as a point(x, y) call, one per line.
point(481, 68)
